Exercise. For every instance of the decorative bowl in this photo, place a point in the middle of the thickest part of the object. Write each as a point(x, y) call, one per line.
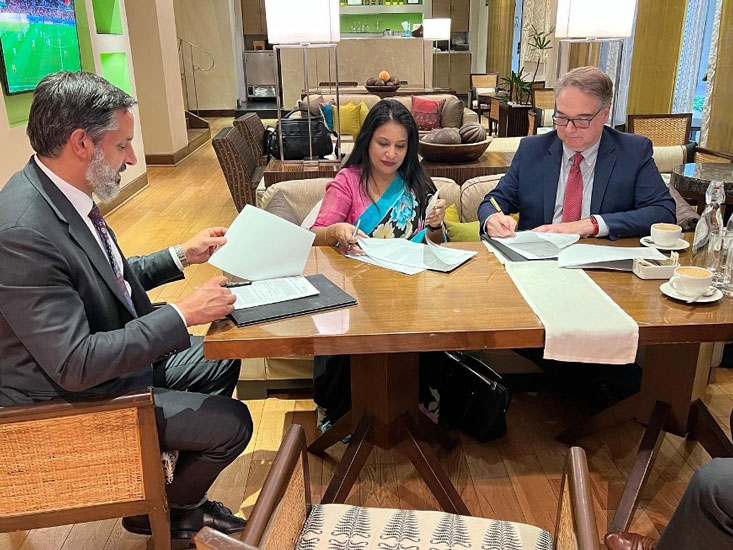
point(460, 152)
point(392, 88)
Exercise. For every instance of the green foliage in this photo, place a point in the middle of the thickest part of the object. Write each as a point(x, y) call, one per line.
point(539, 42)
point(519, 86)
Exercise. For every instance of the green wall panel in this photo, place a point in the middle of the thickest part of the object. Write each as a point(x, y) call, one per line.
point(107, 16)
point(377, 22)
point(114, 69)
point(18, 106)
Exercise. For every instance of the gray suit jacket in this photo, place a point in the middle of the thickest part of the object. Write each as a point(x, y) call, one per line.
point(65, 327)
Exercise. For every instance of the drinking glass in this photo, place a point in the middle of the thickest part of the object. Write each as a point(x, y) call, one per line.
point(727, 288)
point(718, 254)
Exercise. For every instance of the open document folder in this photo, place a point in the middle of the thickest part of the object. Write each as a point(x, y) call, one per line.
point(592, 256)
point(274, 265)
point(410, 257)
point(536, 246)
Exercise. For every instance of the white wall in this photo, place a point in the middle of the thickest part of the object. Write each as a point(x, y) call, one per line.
point(210, 25)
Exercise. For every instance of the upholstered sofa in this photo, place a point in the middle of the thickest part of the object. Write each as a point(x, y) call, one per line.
point(371, 99)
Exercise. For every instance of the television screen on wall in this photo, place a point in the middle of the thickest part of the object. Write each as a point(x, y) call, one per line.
point(37, 37)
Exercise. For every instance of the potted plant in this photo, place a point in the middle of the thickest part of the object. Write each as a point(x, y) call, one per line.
point(539, 44)
point(519, 87)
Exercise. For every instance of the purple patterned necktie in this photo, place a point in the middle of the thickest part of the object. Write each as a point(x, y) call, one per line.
point(101, 226)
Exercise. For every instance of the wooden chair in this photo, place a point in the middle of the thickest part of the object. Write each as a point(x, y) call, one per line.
point(240, 168)
point(664, 129)
point(494, 109)
point(543, 98)
point(69, 462)
point(708, 155)
point(283, 517)
point(253, 131)
point(481, 83)
point(534, 122)
point(538, 85)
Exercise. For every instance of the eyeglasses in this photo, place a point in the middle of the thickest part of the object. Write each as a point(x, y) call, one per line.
point(577, 122)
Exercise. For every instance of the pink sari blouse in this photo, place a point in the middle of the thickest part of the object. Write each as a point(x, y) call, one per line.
point(342, 201)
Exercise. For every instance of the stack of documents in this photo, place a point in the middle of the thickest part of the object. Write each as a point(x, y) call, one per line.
point(274, 264)
point(410, 257)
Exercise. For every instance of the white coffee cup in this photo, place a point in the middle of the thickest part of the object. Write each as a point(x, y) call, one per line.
point(691, 281)
point(666, 234)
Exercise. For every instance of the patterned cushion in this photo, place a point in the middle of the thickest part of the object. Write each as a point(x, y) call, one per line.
point(339, 526)
point(427, 113)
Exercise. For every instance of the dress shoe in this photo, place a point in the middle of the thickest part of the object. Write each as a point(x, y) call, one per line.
point(629, 541)
point(186, 522)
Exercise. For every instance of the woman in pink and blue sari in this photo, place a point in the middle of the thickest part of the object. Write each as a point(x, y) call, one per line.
point(383, 189)
point(381, 185)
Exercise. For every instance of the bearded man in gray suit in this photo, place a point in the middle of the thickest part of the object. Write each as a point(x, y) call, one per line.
point(75, 319)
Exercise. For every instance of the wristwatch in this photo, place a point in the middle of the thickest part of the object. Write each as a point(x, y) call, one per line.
point(594, 221)
point(181, 255)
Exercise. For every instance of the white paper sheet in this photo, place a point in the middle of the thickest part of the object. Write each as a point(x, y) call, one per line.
point(431, 204)
point(262, 246)
point(272, 291)
point(589, 256)
point(406, 269)
point(538, 246)
point(407, 253)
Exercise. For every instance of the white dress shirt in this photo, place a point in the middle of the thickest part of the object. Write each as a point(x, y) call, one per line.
point(587, 170)
point(83, 204)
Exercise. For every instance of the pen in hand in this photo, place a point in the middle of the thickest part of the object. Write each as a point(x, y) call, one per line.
point(356, 230)
point(495, 204)
point(237, 284)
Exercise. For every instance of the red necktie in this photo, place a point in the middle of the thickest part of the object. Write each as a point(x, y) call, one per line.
point(573, 200)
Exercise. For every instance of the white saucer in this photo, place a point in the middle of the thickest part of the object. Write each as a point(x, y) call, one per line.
point(672, 293)
point(681, 244)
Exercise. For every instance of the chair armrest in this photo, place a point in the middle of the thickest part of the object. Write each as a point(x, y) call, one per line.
point(469, 116)
point(210, 539)
point(576, 522)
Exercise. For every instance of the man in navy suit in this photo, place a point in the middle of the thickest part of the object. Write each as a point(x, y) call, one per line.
point(584, 178)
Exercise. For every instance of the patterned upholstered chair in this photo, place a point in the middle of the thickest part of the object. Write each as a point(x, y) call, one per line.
point(666, 129)
point(239, 166)
point(284, 519)
point(251, 127)
point(70, 462)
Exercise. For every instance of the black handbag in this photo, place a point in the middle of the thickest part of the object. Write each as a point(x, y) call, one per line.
point(472, 397)
point(295, 137)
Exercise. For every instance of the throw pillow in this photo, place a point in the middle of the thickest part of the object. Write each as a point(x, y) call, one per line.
point(310, 219)
point(280, 206)
point(349, 117)
point(452, 114)
point(328, 114)
point(363, 112)
point(316, 100)
point(457, 231)
point(427, 112)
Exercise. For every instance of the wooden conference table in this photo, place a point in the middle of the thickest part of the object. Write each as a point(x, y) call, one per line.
point(477, 306)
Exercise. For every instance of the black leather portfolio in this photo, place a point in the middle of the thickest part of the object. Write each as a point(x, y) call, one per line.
point(330, 297)
point(505, 250)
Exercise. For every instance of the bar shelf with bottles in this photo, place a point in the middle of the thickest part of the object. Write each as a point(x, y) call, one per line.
point(354, 7)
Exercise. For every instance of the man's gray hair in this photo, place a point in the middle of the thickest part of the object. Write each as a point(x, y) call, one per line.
point(66, 101)
point(590, 80)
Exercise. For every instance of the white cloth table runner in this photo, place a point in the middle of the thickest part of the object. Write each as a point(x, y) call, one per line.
point(582, 323)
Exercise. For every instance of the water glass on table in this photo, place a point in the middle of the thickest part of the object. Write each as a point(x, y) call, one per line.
point(718, 257)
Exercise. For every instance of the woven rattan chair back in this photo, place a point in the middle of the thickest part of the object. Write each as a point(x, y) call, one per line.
point(63, 463)
point(543, 98)
point(663, 130)
point(484, 80)
point(707, 155)
point(532, 128)
point(238, 165)
point(253, 131)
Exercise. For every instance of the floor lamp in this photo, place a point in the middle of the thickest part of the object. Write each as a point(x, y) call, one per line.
point(303, 24)
point(435, 29)
point(591, 21)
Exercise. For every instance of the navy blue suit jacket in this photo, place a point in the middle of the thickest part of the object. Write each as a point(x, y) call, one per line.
point(627, 189)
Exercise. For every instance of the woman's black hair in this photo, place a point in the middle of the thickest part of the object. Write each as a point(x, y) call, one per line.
point(412, 173)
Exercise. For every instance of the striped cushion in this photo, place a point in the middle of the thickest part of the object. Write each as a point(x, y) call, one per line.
point(338, 526)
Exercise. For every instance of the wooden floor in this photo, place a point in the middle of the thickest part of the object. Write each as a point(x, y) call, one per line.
point(514, 478)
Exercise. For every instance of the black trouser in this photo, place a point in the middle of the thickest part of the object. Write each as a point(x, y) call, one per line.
point(704, 516)
point(196, 415)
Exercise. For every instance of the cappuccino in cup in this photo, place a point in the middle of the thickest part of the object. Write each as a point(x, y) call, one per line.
point(666, 234)
point(690, 281)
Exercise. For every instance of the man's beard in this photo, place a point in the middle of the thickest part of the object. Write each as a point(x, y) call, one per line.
point(104, 179)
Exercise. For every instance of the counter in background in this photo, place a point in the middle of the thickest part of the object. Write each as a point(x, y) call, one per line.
point(359, 59)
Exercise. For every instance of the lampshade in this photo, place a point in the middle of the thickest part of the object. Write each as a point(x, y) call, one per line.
point(595, 18)
point(302, 21)
point(436, 29)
